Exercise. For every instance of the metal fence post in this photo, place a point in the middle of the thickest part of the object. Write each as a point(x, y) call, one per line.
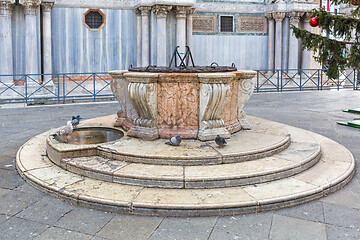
point(355, 80)
point(322, 72)
point(281, 80)
point(257, 81)
point(26, 90)
point(63, 78)
point(94, 87)
point(58, 88)
point(277, 86)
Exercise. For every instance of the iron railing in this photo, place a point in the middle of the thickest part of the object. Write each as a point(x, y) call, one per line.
point(303, 79)
point(74, 87)
point(57, 88)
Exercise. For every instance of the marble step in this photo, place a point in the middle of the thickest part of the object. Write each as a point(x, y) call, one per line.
point(303, 152)
point(240, 148)
point(264, 140)
point(335, 168)
point(297, 158)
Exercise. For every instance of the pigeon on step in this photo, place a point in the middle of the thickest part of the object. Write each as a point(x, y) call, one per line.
point(220, 141)
point(175, 141)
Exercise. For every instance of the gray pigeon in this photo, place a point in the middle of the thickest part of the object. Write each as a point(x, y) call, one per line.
point(220, 141)
point(175, 141)
point(75, 120)
point(65, 130)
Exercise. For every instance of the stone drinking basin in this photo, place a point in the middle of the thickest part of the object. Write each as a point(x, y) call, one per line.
point(82, 142)
point(91, 135)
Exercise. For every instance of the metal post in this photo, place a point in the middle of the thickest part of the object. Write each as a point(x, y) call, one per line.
point(322, 72)
point(281, 80)
point(94, 87)
point(300, 79)
point(58, 88)
point(26, 99)
point(63, 88)
point(355, 80)
point(257, 81)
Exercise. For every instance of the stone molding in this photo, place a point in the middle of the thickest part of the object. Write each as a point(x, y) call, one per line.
point(190, 11)
point(119, 4)
point(246, 89)
point(47, 6)
point(213, 99)
point(119, 86)
point(144, 99)
point(279, 16)
point(307, 15)
point(214, 96)
point(269, 15)
point(180, 11)
point(161, 11)
point(295, 16)
point(30, 6)
point(137, 12)
point(142, 90)
point(6, 8)
point(144, 10)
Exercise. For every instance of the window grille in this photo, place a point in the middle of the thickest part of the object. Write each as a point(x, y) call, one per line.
point(226, 24)
point(94, 19)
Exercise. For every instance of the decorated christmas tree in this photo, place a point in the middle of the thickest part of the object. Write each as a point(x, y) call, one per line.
point(338, 44)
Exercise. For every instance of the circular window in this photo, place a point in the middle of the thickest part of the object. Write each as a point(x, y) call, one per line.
point(94, 19)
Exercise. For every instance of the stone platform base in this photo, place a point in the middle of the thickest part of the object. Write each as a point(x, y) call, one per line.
point(302, 169)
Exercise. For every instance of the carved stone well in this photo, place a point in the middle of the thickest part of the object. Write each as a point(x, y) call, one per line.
point(193, 105)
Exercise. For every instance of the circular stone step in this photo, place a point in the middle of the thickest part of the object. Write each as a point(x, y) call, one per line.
point(335, 168)
point(265, 139)
point(297, 158)
point(302, 154)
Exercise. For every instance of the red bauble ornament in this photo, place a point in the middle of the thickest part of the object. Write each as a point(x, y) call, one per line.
point(314, 22)
point(355, 2)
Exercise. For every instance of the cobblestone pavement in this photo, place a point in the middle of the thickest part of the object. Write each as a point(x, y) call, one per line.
point(26, 213)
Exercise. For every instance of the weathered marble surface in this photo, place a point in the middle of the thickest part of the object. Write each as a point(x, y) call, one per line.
point(335, 168)
point(177, 109)
point(246, 89)
point(193, 105)
point(230, 115)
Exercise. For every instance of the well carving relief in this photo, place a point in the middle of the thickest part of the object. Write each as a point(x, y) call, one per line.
point(192, 105)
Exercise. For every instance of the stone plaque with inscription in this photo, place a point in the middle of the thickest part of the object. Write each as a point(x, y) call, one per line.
point(247, 24)
point(204, 23)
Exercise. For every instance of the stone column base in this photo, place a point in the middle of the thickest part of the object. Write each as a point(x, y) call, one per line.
point(120, 120)
point(145, 133)
point(245, 125)
point(233, 126)
point(210, 134)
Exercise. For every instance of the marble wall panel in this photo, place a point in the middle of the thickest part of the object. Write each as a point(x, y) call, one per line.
point(178, 107)
point(246, 24)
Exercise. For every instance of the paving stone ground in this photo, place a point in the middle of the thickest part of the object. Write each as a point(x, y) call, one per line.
point(26, 213)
